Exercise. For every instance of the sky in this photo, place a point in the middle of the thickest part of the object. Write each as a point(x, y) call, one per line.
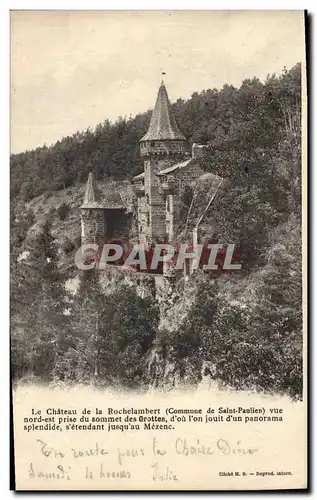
point(74, 69)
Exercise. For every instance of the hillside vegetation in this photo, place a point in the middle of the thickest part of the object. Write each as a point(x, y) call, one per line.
point(243, 125)
point(242, 329)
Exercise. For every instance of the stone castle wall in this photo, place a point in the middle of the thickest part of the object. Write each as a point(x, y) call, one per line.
point(172, 216)
point(154, 202)
point(99, 225)
point(93, 226)
point(142, 217)
point(159, 215)
point(188, 174)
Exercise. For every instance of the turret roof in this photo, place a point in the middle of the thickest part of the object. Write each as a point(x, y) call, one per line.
point(163, 124)
point(91, 193)
point(111, 198)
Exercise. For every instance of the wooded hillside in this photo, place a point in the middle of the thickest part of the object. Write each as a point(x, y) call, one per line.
point(242, 329)
point(244, 127)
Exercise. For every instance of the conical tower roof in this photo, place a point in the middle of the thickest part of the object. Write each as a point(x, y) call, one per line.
point(91, 193)
point(163, 125)
point(107, 198)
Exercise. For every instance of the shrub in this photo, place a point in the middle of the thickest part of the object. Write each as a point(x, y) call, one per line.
point(67, 245)
point(63, 211)
point(77, 241)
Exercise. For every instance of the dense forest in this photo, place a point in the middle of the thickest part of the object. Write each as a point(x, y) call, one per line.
point(243, 330)
point(243, 126)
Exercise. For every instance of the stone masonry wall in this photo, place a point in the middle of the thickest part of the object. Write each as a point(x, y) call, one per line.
point(155, 202)
point(172, 215)
point(93, 226)
point(189, 174)
point(142, 217)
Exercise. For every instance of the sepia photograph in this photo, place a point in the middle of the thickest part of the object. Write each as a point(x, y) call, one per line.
point(157, 246)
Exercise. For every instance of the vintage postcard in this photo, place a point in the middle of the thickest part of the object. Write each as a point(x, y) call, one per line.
point(159, 250)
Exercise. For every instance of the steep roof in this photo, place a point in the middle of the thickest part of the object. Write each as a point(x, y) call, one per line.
point(139, 176)
point(108, 198)
point(91, 193)
point(177, 166)
point(163, 124)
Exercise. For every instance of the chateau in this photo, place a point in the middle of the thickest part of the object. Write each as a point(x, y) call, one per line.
point(168, 168)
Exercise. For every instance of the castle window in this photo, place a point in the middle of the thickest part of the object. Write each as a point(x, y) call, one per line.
point(148, 218)
point(152, 144)
point(168, 203)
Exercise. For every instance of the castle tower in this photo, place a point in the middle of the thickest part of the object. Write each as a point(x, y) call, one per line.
point(161, 146)
point(93, 220)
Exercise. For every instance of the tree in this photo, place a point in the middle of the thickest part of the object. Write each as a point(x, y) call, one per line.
point(256, 336)
point(38, 304)
point(243, 126)
point(183, 346)
point(110, 335)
